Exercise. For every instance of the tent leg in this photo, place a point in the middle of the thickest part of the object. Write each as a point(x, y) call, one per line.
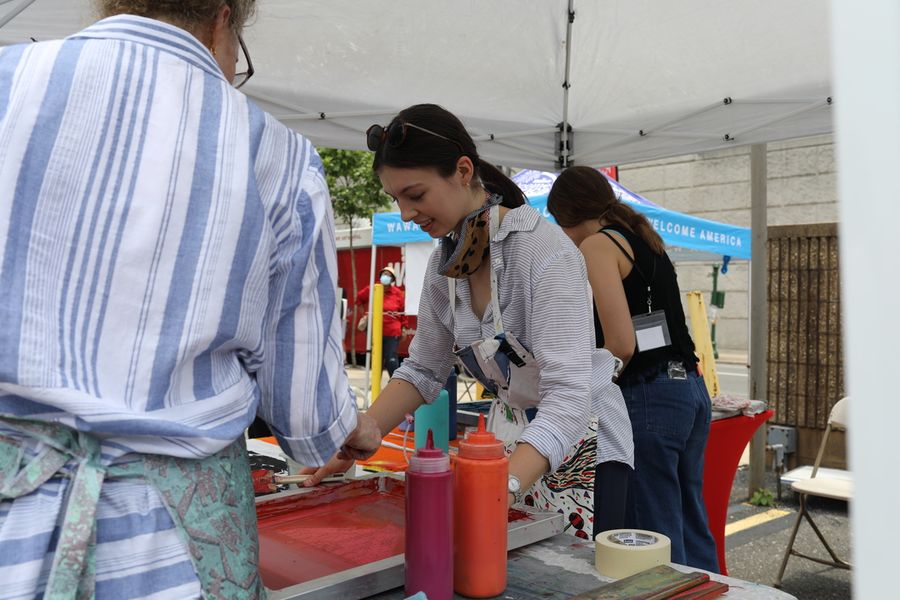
point(367, 400)
point(759, 307)
point(14, 12)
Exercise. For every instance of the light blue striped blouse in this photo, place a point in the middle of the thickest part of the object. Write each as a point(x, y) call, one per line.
point(545, 301)
point(167, 271)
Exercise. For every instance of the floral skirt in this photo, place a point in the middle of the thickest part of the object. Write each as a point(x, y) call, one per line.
point(570, 489)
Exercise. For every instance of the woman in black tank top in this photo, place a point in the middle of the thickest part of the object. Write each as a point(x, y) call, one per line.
point(632, 277)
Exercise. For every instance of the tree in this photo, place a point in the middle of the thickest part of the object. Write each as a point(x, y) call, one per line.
point(355, 194)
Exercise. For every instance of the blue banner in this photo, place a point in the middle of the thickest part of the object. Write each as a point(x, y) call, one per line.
point(676, 229)
point(683, 231)
point(388, 229)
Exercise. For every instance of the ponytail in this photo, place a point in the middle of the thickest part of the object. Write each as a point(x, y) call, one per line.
point(496, 182)
point(582, 193)
point(621, 214)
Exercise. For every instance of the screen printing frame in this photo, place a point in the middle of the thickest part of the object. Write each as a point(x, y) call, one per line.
point(387, 574)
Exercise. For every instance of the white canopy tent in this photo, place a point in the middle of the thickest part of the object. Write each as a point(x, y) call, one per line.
point(622, 81)
point(632, 79)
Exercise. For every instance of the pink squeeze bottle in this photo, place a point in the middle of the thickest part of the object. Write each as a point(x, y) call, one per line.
point(429, 523)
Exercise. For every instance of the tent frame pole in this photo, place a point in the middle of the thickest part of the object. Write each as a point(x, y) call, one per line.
point(565, 149)
point(808, 107)
point(759, 306)
point(367, 397)
point(14, 12)
point(491, 137)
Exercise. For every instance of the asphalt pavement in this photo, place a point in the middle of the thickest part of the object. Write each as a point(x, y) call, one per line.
point(755, 553)
point(760, 534)
point(733, 379)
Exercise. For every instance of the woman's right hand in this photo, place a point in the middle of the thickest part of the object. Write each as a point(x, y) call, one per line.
point(362, 443)
point(397, 399)
point(335, 465)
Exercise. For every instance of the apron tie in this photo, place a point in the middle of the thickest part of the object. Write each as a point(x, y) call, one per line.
point(210, 502)
point(70, 575)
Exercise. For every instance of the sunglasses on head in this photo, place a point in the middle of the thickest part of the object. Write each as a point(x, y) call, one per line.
point(395, 134)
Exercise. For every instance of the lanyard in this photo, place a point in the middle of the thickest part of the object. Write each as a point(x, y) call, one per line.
point(637, 268)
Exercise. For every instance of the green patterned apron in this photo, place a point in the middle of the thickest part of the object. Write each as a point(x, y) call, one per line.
point(210, 500)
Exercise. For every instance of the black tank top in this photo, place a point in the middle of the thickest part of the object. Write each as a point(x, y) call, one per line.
point(666, 296)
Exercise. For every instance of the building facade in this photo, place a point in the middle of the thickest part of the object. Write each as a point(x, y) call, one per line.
point(801, 189)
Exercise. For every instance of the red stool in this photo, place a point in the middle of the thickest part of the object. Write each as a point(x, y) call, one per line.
point(726, 443)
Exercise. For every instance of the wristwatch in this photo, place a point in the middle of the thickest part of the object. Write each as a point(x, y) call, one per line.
point(618, 367)
point(515, 488)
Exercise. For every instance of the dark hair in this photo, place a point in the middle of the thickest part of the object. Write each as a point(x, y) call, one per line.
point(582, 193)
point(422, 149)
point(188, 13)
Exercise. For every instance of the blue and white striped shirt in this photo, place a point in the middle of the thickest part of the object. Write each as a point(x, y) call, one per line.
point(167, 271)
point(167, 257)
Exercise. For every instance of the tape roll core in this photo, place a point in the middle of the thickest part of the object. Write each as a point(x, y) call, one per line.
point(632, 538)
point(623, 552)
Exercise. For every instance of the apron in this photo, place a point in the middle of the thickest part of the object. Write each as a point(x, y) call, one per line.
point(510, 373)
point(210, 500)
point(501, 364)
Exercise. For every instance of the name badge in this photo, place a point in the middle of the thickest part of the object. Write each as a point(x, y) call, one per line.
point(651, 331)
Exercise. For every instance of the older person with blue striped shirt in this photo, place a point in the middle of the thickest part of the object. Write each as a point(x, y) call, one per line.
point(167, 272)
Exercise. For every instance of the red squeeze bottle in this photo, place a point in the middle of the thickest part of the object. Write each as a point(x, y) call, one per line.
point(480, 521)
point(429, 523)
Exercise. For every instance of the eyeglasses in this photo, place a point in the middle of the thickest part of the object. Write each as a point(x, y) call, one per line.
point(395, 135)
point(242, 77)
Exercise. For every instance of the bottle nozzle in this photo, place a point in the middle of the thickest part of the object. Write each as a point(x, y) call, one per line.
point(429, 459)
point(481, 443)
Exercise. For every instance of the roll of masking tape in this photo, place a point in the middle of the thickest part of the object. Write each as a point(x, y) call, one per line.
point(623, 552)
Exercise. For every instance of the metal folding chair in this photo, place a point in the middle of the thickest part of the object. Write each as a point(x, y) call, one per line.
point(469, 383)
point(824, 487)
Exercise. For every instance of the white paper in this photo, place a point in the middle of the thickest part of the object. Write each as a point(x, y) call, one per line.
point(416, 258)
point(265, 448)
point(650, 338)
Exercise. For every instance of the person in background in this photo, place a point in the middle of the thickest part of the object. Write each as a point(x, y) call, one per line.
point(394, 324)
point(167, 272)
point(503, 278)
point(632, 277)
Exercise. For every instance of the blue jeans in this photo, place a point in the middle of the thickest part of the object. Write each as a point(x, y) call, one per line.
point(389, 359)
point(670, 420)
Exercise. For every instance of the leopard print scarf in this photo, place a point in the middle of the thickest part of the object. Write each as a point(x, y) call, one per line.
point(462, 255)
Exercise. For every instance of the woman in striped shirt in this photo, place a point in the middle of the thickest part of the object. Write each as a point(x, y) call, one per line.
point(429, 164)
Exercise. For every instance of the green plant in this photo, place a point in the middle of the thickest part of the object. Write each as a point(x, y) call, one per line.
point(355, 194)
point(355, 190)
point(762, 497)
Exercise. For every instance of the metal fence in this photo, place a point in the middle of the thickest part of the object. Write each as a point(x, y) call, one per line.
point(805, 361)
